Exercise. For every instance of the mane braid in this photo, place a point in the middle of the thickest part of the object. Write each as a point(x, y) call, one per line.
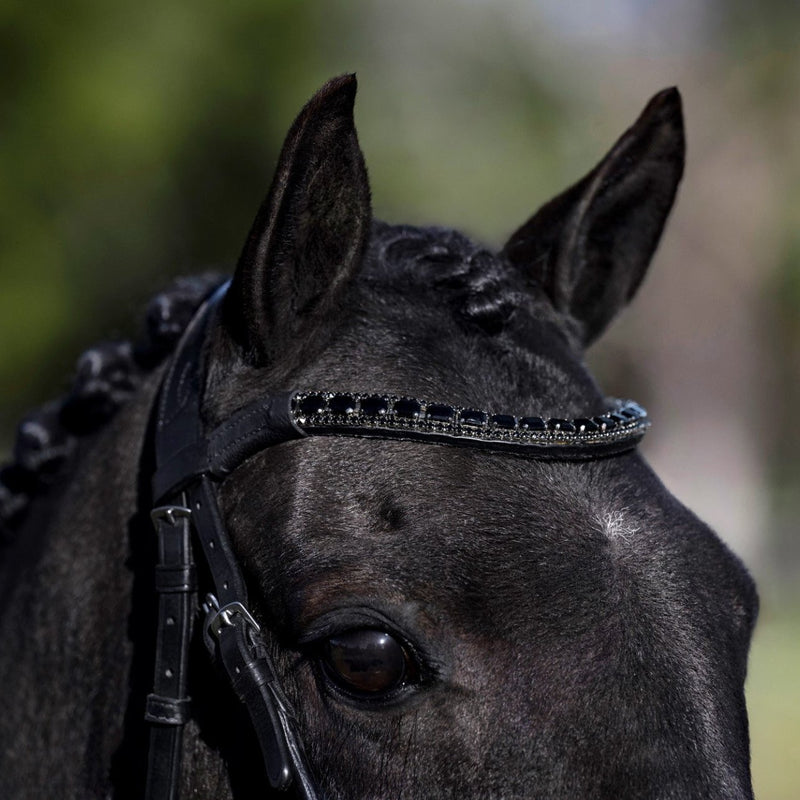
point(481, 291)
point(106, 375)
point(482, 285)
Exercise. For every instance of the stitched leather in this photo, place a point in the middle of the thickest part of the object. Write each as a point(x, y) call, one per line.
point(186, 462)
point(259, 425)
point(249, 673)
point(179, 578)
point(229, 586)
point(167, 708)
point(177, 423)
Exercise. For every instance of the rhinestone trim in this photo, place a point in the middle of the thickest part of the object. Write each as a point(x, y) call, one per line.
point(377, 414)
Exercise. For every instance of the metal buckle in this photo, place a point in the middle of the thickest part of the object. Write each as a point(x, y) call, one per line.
point(169, 513)
point(218, 618)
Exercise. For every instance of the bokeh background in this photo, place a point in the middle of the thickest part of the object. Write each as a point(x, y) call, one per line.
point(137, 140)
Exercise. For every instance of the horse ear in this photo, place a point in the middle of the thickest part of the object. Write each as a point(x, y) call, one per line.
point(309, 236)
point(589, 248)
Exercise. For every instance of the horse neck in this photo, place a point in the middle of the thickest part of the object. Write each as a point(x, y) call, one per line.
point(76, 563)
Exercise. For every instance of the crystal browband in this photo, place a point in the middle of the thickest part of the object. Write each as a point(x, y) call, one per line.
point(620, 427)
point(289, 415)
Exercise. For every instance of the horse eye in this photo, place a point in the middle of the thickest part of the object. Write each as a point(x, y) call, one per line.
point(367, 662)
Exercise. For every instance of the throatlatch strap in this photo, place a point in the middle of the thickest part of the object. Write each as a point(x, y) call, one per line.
point(185, 463)
point(167, 708)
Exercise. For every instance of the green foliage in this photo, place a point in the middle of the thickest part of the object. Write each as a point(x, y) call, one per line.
point(135, 142)
point(773, 698)
point(138, 140)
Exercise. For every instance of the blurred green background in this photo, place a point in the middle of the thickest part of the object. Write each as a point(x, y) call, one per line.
point(137, 140)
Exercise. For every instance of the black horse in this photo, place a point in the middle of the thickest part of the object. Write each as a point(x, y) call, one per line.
point(467, 581)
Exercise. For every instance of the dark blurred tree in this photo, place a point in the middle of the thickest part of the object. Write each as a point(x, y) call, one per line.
point(761, 43)
point(136, 142)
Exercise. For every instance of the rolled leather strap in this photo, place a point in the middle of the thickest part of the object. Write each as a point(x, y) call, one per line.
point(264, 423)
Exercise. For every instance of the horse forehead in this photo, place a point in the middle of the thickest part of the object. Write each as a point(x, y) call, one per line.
point(509, 568)
point(375, 486)
point(485, 536)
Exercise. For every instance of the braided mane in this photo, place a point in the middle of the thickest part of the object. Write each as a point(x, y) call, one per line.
point(480, 286)
point(106, 375)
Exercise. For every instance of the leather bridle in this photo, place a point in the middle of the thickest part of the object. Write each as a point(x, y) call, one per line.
point(190, 464)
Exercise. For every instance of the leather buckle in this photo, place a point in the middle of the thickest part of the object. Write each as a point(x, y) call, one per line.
point(218, 618)
point(169, 513)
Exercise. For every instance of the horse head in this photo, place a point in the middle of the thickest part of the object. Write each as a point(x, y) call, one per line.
point(462, 621)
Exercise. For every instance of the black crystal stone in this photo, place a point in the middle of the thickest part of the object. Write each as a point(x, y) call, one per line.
point(407, 409)
point(342, 404)
point(505, 421)
point(440, 413)
point(564, 425)
point(617, 417)
point(586, 425)
point(630, 412)
point(374, 405)
point(312, 404)
point(473, 418)
point(532, 424)
point(606, 423)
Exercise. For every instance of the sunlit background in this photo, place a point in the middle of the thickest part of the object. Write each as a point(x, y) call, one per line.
point(137, 140)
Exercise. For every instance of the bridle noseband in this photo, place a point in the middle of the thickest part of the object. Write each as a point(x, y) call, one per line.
point(190, 463)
